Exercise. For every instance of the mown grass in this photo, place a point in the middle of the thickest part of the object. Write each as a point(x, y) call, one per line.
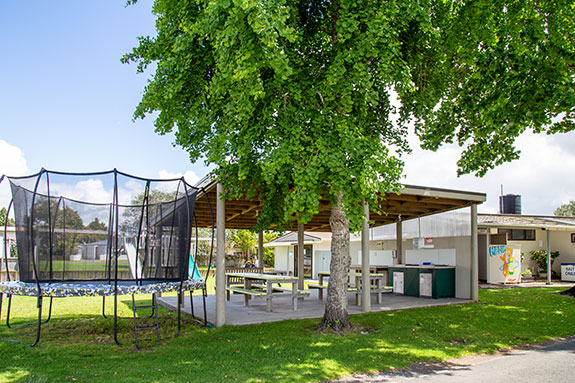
point(77, 344)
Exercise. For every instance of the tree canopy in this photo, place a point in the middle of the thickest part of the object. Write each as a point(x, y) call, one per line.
point(303, 100)
point(4, 217)
point(566, 210)
point(295, 99)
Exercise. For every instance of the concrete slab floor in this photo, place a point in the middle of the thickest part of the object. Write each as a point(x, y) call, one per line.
point(310, 307)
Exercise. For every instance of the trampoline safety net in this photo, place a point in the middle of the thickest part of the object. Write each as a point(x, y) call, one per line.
point(107, 226)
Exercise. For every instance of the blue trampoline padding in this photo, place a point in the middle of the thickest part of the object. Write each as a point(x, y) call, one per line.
point(193, 271)
point(91, 289)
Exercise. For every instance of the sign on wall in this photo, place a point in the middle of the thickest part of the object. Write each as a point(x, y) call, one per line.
point(568, 272)
point(504, 264)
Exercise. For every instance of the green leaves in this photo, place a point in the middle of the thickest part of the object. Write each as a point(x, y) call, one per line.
point(507, 67)
point(295, 100)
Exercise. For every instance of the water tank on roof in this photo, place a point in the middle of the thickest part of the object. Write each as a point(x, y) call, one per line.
point(510, 204)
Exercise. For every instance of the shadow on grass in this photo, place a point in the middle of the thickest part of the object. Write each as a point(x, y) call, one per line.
point(292, 350)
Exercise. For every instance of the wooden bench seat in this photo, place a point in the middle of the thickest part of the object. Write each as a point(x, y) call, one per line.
point(316, 286)
point(238, 280)
point(240, 290)
point(319, 288)
point(278, 288)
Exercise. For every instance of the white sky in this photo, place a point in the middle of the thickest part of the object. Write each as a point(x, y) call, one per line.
point(66, 103)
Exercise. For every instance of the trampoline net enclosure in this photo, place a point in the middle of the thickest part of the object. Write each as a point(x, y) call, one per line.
point(107, 226)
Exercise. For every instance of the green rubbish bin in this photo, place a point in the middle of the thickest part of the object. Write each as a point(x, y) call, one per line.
point(441, 280)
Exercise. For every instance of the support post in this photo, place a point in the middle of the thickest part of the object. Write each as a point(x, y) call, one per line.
point(261, 249)
point(399, 241)
point(220, 258)
point(366, 283)
point(474, 256)
point(548, 256)
point(300, 252)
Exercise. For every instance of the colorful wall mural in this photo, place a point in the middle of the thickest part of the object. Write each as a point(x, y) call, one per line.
point(504, 264)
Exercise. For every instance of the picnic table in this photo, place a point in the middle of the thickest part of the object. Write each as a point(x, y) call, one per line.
point(376, 285)
point(259, 284)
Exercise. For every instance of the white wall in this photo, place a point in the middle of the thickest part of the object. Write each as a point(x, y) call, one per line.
point(560, 241)
point(281, 258)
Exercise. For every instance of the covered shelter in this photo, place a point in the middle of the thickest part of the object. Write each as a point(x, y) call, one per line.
point(412, 202)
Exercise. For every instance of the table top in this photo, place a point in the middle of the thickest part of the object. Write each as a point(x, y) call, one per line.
point(402, 266)
point(351, 274)
point(265, 277)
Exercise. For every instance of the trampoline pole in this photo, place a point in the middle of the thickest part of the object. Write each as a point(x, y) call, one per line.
point(8, 311)
point(116, 318)
point(179, 311)
point(1, 296)
point(155, 303)
point(104, 306)
point(49, 311)
point(39, 327)
point(204, 294)
point(192, 303)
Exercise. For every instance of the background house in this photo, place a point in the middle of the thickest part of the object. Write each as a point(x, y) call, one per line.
point(7, 241)
point(526, 232)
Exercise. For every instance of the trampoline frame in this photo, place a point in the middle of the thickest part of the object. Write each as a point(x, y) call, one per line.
point(115, 287)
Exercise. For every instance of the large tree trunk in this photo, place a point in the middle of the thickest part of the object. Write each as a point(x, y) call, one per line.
point(336, 316)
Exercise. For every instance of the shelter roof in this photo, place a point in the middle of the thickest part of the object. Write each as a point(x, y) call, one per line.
point(412, 202)
point(526, 221)
point(291, 237)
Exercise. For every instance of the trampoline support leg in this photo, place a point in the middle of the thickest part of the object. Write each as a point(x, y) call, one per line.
point(179, 312)
point(39, 328)
point(38, 323)
point(1, 296)
point(8, 311)
point(192, 303)
point(104, 307)
point(204, 294)
point(116, 319)
point(49, 311)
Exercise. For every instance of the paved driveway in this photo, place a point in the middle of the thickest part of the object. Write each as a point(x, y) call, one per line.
point(554, 362)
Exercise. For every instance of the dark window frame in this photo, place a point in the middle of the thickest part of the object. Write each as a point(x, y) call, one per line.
point(518, 234)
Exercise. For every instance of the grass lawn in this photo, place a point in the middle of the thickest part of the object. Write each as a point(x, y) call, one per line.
point(92, 265)
point(77, 344)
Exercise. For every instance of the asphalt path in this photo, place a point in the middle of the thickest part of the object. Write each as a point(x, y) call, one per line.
point(552, 362)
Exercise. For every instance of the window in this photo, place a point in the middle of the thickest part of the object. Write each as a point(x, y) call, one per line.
point(518, 234)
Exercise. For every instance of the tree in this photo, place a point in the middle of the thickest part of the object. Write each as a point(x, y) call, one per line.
point(303, 100)
point(269, 252)
point(245, 240)
point(54, 216)
point(4, 217)
point(566, 210)
point(132, 215)
point(95, 226)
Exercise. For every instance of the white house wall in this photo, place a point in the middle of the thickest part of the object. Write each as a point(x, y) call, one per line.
point(281, 258)
point(560, 241)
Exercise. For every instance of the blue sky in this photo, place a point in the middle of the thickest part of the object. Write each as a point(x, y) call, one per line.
point(66, 103)
point(66, 99)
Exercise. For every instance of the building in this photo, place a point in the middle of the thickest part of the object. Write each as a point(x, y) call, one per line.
point(7, 241)
point(439, 239)
point(525, 233)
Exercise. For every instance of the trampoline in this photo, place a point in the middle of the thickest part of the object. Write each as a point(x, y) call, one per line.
point(104, 234)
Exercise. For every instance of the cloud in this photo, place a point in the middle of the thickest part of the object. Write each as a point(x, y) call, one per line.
point(541, 175)
point(190, 177)
point(12, 163)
